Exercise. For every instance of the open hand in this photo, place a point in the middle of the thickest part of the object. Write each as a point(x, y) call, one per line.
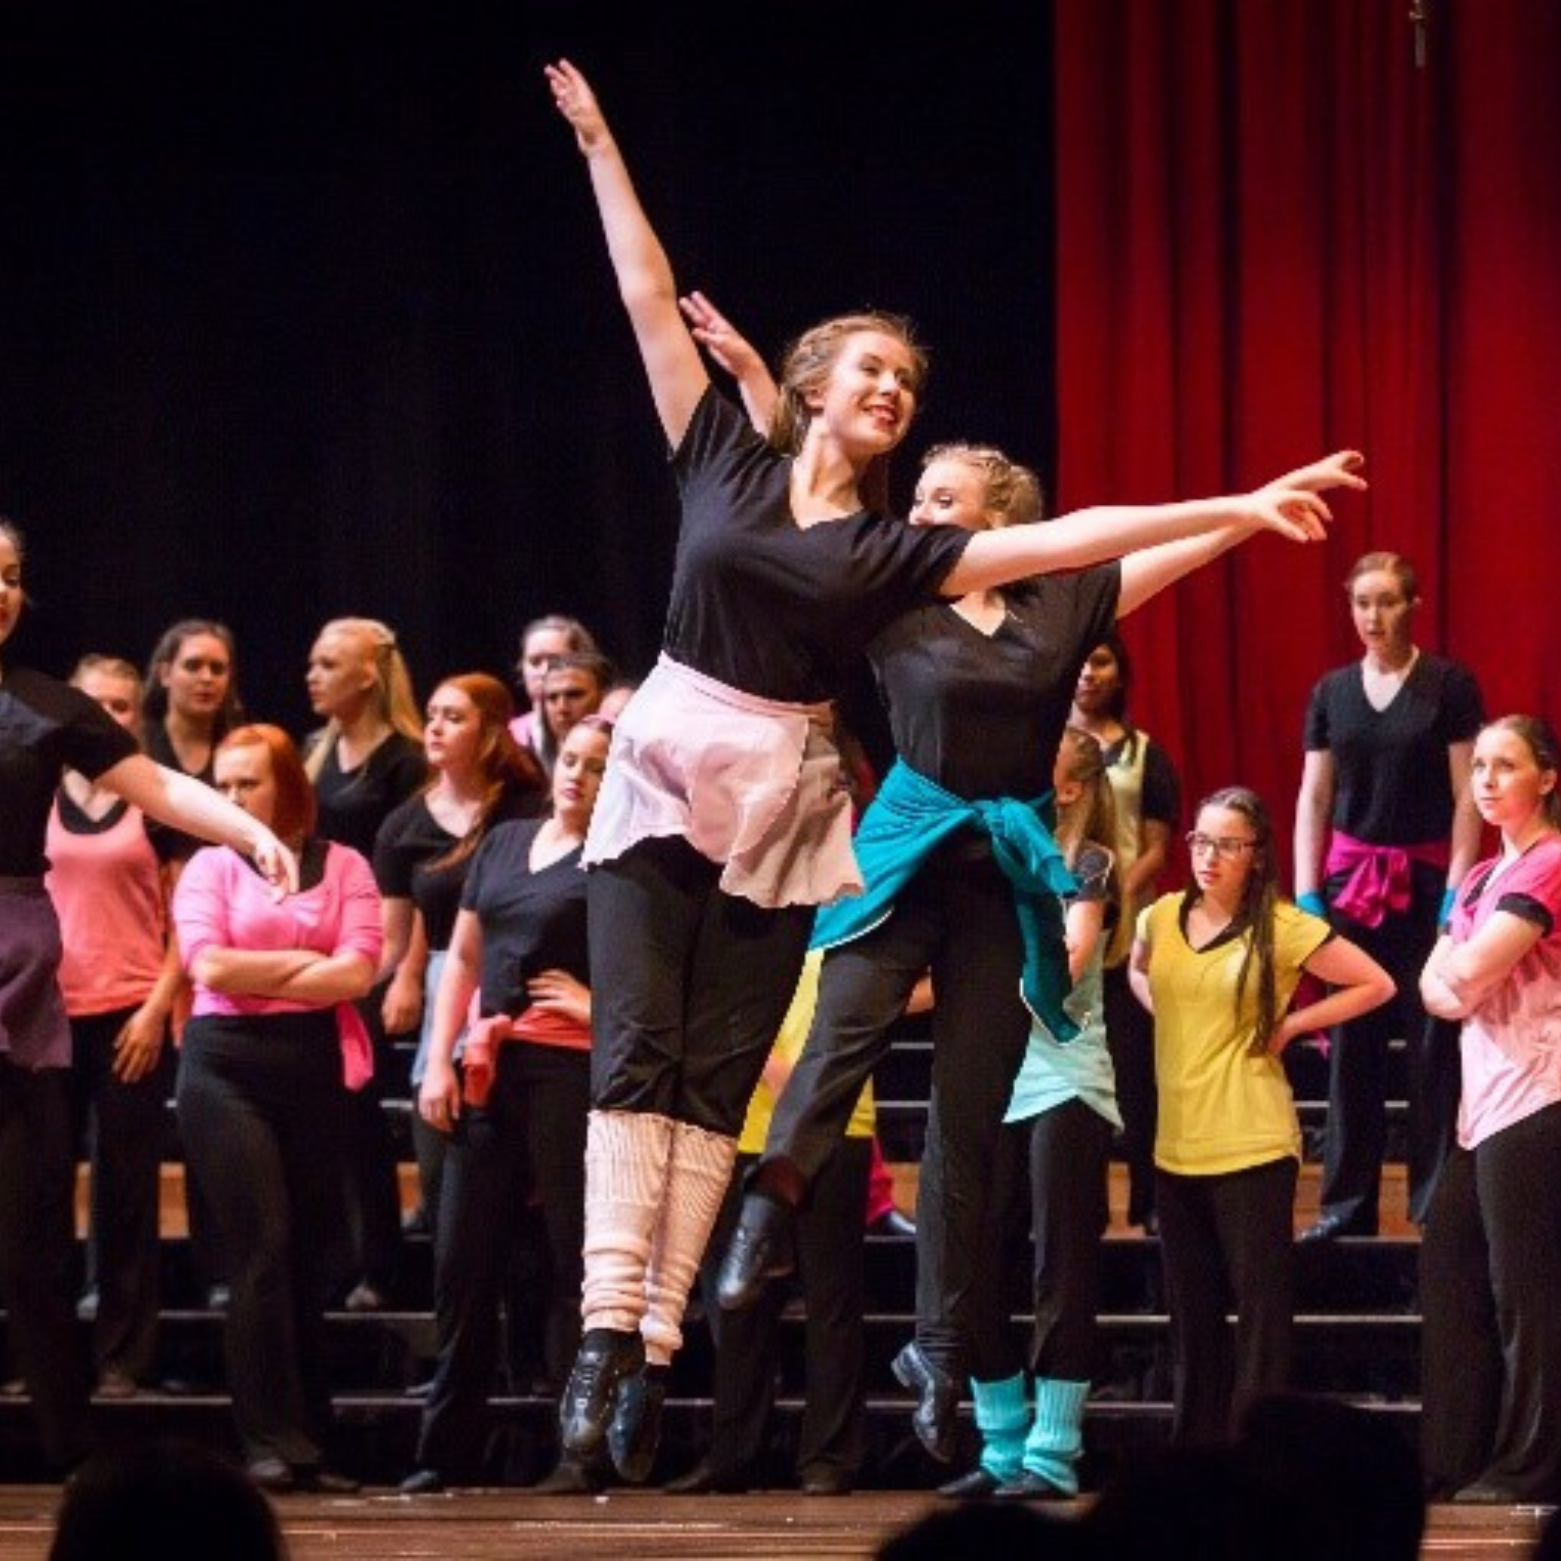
point(577, 103)
point(718, 336)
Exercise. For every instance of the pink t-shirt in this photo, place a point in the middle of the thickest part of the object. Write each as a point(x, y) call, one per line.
point(107, 888)
point(1512, 1042)
point(222, 901)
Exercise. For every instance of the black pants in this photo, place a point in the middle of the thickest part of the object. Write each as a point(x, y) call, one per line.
point(527, 1142)
point(1490, 1294)
point(261, 1103)
point(1224, 1240)
point(689, 986)
point(830, 1235)
point(957, 918)
point(370, 1162)
point(122, 1125)
point(37, 1238)
point(1049, 1186)
point(1356, 1137)
point(1130, 1038)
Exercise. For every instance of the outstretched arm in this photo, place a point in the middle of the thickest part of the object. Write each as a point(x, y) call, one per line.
point(1148, 571)
point(676, 372)
point(174, 798)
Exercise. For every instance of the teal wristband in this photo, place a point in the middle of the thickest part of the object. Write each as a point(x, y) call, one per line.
point(1449, 904)
point(1312, 901)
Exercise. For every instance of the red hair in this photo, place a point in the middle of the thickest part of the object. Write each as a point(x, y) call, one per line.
point(296, 810)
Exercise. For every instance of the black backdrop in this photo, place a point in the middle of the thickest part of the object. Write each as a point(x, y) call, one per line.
point(306, 312)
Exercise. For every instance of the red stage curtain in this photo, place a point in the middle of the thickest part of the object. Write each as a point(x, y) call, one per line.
point(1279, 235)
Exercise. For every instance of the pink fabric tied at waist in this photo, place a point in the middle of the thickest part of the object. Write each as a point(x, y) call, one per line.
point(357, 1050)
point(1379, 878)
point(751, 783)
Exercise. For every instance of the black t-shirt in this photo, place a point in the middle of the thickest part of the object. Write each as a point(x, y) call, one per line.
point(174, 845)
point(354, 803)
point(411, 840)
point(1392, 784)
point(983, 715)
point(46, 726)
point(765, 605)
point(531, 922)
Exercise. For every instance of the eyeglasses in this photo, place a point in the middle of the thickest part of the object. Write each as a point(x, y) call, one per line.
point(1227, 846)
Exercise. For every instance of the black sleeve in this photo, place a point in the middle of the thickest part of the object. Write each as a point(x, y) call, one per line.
point(1162, 796)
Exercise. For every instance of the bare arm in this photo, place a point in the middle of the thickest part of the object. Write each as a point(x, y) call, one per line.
point(1138, 974)
point(676, 371)
point(1313, 807)
point(1082, 928)
point(191, 805)
point(1357, 985)
point(1146, 870)
point(733, 352)
point(1468, 827)
point(1471, 971)
point(403, 1003)
point(298, 975)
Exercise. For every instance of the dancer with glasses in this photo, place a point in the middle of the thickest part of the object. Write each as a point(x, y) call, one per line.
point(1217, 965)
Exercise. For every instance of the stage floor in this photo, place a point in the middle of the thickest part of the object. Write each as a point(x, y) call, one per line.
point(625, 1526)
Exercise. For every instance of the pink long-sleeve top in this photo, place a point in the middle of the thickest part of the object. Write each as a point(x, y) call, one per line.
point(222, 902)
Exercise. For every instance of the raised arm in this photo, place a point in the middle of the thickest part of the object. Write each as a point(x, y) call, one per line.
point(733, 352)
point(676, 371)
point(1313, 809)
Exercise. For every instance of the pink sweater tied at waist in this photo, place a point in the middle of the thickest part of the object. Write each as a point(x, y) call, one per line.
point(1379, 877)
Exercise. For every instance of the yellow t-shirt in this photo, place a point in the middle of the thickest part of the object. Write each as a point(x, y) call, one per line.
point(788, 1045)
point(1222, 1109)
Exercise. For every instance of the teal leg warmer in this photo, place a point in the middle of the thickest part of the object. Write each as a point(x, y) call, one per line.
point(1056, 1437)
point(1002, 1418)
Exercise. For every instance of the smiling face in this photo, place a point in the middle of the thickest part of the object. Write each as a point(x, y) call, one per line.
point(1100, 682)
point(1382, 612)
point(1509, 784)
point(869, 396)
point(197, 678)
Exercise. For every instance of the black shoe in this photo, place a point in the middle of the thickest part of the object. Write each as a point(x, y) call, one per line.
point(634, 1432)
point(569, 1477)
point(1329, 1228)
point(937, 1396)
point(761, 1249)
point(419, 1389)
point(1028, 1486)
point(422, 1482)
point(1482, 1495)
point(892, 1223)
point(606, 1356)
point(273, 1476)
point(699, 1481)
point(975, 1486)
point(218, 1297)
point(826, 1480)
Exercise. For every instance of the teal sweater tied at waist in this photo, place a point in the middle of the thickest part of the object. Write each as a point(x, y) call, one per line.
point(908, 819)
